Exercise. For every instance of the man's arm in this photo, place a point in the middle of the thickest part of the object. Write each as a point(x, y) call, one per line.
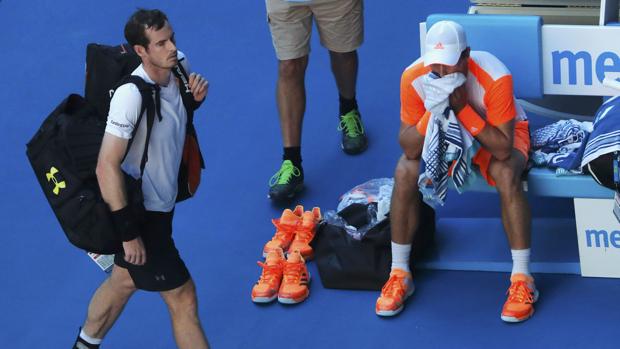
point(498, 140)
point(112, 185)
point(411, 139)
point(109, 174)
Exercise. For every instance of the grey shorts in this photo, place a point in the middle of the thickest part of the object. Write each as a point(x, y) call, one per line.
point(340, 24)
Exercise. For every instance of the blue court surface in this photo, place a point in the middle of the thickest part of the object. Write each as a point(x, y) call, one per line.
point(46, 283)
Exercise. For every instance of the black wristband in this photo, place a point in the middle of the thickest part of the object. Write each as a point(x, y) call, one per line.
point(125, 224)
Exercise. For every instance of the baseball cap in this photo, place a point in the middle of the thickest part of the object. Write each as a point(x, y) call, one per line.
point(445, 41)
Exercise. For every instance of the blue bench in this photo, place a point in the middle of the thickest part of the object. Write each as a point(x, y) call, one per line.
point(544, 182)
point(511, 39)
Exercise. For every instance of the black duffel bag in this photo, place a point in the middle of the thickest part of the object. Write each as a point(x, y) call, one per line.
point(63, 155)
point(347, 263)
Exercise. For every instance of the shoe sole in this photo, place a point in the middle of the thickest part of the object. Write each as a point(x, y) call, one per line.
point(264, 299)
point(512, 319)
point(285, 300)
point(356, 152)
point(297, 300)
point(388, 313)
point(298, 189)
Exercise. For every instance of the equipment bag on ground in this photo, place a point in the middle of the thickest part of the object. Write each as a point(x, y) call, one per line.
point(347, 263)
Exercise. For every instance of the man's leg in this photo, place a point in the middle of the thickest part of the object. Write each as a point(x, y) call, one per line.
point(108, 303)
point(291, 99)
point(404, 220)
point(183, 308)
point(344, 68)
point(405, 206)
point(516, 218)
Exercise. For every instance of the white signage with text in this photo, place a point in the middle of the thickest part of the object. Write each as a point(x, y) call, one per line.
point(598, 235)
point(576, 59)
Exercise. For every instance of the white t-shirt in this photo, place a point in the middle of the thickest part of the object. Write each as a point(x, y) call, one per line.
point(159, 182)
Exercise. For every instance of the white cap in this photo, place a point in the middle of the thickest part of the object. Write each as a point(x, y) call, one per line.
point(445, 41)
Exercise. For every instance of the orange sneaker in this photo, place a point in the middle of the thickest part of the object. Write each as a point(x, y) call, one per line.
point(294, 288)
point(521, 297)
point(266, 288)
point(286, 226)
point(305, 233)
point(394, 293)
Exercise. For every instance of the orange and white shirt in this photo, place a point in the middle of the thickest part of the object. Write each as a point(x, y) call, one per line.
point(489, 87)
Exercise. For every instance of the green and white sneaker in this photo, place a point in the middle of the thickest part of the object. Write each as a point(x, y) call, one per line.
point(287, 182)
point(354, 139)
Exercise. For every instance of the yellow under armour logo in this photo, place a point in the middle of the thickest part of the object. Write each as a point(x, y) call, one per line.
point(51, 176)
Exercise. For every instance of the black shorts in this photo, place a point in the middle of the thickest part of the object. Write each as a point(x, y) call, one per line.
point(164, 269)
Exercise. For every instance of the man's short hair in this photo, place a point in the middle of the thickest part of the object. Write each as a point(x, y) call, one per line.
point(139, 22)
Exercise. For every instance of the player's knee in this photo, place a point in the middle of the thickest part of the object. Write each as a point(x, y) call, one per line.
point(507, 180)
point(407, 172)
point(183, 300)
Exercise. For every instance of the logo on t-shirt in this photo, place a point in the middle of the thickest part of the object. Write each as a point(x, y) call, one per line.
point(118, 124)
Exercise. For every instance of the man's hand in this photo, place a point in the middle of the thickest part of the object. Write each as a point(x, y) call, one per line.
point(199, 86)
point(134, 251)
point(458, 99)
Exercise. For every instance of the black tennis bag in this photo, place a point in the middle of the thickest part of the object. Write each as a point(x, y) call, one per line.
point(347, 263)
point(63, 154)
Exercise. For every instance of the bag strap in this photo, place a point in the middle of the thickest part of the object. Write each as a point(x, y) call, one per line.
point(152, 104)
point(188, 101)
point(186, 94)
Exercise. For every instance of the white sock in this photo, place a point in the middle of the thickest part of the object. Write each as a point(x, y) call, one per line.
point(89, 339)
point(521, 261)
point(400, 256)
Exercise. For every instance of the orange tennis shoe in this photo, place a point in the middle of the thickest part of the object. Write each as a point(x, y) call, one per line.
point(305, 233)
point(286, 227)
point(266, 288)
point(294, 288)
point(522, 295)
point(396, 290)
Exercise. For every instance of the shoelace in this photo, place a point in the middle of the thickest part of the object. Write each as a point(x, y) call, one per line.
point(284, 232)
point(293, 273)
point(520, 292)
point(394, 288)
point(270, 274)
point(284, 174)
point(351, 124)
point(305, 234)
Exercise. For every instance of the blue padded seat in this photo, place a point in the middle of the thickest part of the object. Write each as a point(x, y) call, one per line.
point(544, 182)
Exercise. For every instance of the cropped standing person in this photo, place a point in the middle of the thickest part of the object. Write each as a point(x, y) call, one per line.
point(340, 25)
